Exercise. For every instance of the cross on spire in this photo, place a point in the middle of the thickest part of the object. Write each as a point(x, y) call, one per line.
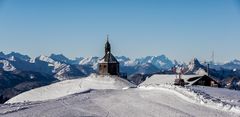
point(107, 46)
point(107, 37)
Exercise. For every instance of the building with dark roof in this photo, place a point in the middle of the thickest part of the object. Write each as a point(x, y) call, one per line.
point(204, 81)
point(108, 65)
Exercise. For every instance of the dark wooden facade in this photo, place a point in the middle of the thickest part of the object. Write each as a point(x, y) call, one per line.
point(108, 65)
point(205, 81)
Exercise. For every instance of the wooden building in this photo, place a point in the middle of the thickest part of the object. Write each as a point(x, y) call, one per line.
point(108, 65)
point(204, 81)
point(232, 83)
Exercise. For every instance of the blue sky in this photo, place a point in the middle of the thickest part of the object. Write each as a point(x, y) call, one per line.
point(180, 29)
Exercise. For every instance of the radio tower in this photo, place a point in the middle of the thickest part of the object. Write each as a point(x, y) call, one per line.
point(213, 57)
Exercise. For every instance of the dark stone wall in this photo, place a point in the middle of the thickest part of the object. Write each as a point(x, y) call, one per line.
point(103, 68)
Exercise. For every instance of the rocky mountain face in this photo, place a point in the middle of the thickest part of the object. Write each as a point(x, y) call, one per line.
point(195, 67)
point(15, 82)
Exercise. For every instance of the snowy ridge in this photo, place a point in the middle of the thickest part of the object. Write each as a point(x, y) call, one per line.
point(89, 61)
point(161, 62)
point(235, 61)
point(61, 58)
point(226, 95)
point(69, 87)
point(92, 61)
point(195, 96)
point(63, 69)
point(147, 65)
point(51, 62)
point(59, 69)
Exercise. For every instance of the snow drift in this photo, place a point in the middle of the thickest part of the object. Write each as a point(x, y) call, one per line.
point(217, 98)
point(69, 87)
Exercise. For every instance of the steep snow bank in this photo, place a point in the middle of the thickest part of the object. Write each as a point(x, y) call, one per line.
point(196, 96)
point(69, 87)
point(226, 95)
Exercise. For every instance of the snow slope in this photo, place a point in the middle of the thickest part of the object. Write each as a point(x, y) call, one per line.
point(216, 98)
point(108, 96)
point(114, 103)
point(231, 97)
point(68, 87)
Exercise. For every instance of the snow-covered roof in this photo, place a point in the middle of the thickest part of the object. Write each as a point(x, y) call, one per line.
point(166, 79)
point(108, 58)
point(196, 79)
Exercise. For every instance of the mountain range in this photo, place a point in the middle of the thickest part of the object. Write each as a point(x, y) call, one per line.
point(20, 72)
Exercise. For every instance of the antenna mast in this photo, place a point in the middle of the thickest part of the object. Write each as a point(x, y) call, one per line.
point(213, 57)
point(107, 37)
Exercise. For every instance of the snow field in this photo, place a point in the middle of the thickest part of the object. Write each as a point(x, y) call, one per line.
point(196, 94)
point(68, 87)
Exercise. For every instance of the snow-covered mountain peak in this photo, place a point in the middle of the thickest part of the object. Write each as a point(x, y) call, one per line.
point(125, 61)
point(161, 57)
point(60, 57)
point(122, 58)
point(194, 62)
point(19, 56)
point(58, 67)
point(45, 58)
point(89, 61)
point(6, 65)
point(231, 61)
point(235, 61)
point(12, 58)
point(161, 62)
point(234, 64)
point(195, 67)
